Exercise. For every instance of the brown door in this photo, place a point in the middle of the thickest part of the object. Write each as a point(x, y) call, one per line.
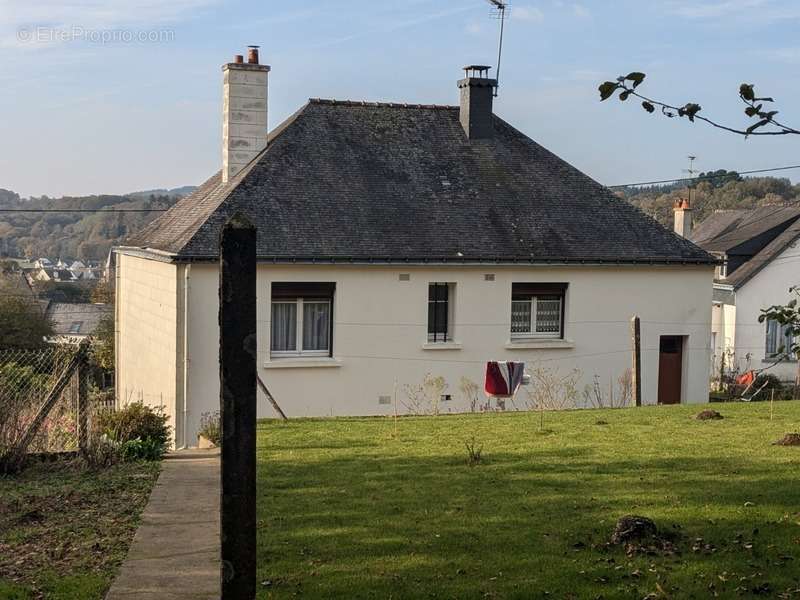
point(670, 367)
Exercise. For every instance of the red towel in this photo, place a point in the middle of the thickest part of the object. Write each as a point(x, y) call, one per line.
point(746, 378)
point(503, 378)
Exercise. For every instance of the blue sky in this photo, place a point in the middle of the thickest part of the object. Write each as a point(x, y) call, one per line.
point(81, 116)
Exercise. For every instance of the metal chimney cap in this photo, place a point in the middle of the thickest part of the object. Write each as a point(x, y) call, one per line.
point(481, 70)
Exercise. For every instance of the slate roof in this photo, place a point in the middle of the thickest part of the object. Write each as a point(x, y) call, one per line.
point(354, 181)
point(771, 251)
point(76, 319)
point(725, 229)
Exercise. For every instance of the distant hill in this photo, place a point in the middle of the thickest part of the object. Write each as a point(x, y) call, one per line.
point(178, 192)
point(82, 235)
point(729, 191)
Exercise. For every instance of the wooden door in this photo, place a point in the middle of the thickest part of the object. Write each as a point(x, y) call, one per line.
point(670, 369)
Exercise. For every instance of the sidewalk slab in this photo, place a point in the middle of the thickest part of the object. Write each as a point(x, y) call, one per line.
point(175, 553)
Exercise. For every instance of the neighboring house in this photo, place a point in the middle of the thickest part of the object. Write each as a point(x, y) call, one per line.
point(72, 323)
point(43, 263)
point(396, 240)
point(53, 274)
point(761, 252)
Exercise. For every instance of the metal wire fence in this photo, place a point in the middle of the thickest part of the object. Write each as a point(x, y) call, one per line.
point(44, 406)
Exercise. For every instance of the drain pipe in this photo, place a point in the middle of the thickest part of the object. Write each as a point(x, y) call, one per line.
point(187, 271)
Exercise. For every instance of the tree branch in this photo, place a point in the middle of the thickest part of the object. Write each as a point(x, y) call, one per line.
point(626, 86)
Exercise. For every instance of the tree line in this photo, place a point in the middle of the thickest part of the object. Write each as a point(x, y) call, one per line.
point(83, 235)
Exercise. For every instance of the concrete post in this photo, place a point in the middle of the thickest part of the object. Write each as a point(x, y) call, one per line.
point(636, 341)
point(238, 372)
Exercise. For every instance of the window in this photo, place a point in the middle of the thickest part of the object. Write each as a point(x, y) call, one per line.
point(779, 339)
point(722, 270)
point(302, 319)
point(537, 310)
point(75, 327)
point(440, 312)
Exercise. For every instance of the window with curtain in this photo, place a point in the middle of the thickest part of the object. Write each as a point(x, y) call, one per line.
point(301, 319)
point(779, 339)
point(537, 310)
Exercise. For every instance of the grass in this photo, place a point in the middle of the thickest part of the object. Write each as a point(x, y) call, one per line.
point(351, 508)
point(65, 529)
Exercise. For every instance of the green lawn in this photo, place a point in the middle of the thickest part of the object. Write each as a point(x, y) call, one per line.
point(349, 508)
point(65, 529)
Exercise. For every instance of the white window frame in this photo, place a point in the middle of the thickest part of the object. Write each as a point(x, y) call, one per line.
point(781, 339)
point(532, 334)
point(299, 315)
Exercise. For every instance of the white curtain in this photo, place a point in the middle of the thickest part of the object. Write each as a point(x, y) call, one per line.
point(316, 325)
point(284, 327)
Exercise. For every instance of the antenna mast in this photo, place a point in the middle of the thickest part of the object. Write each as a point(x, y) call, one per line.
point(691, 171)
point(499, 12)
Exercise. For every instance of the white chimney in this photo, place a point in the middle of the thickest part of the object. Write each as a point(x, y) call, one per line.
point(683, 218)
point(244, 112)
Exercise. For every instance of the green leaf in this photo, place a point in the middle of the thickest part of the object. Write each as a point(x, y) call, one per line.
point(690, 110)
point(607, 90)
point(764, 100)
point(624, 96)
point(746, 91)
point(648, 107)
point(755, 126)
point(636, 77)
point(751, 111)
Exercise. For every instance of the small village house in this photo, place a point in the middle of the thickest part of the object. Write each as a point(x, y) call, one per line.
point(397, 240)
point(760, 248)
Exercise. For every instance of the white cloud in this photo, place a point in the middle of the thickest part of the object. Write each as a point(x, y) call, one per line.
point(473, 28)
point(88, 15)
point(786, 55)
point(762, 10)
point(527, 13)
point(581, 11)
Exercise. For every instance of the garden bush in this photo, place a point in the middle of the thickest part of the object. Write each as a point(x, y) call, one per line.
point(141, 432)
point(210, 427)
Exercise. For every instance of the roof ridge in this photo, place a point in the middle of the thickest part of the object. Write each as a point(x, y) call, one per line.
point(335, 102)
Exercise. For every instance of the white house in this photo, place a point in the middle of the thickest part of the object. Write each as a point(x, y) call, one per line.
point(761, 250)
point(396, 240)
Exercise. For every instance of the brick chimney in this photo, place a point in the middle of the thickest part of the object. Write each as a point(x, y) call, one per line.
point(477, 93)
point(683, 218)
point(244, 112)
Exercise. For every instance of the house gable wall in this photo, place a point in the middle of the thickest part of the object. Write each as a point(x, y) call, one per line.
point(147, 334)
point(768, 287)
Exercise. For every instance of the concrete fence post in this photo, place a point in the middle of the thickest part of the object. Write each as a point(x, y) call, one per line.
point(238, 374)
point(636, 367)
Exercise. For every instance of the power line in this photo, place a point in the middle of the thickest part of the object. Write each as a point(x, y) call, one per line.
point(705, 177)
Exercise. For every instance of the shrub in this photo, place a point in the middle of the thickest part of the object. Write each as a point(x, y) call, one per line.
point(210, 427)
point(102, 452)
point(138, 429)
point(770, 383)
point(139, 449)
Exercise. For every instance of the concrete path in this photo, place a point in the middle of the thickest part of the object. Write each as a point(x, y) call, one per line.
point(175, 554)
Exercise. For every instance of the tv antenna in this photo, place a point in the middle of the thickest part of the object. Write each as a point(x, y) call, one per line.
point(499, 12)
point(691, 171)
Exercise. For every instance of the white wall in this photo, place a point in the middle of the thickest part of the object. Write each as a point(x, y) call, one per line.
point(768, 287)
point(147, 333)
point(380, 331)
